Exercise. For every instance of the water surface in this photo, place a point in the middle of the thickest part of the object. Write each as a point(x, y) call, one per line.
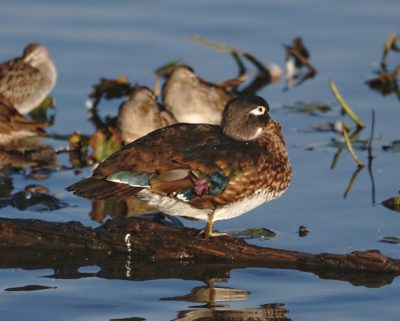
point(107, 39)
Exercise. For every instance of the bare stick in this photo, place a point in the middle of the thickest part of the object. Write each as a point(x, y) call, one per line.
point(371, 157)
point(311, 69)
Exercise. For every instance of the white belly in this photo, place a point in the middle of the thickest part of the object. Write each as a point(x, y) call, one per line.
point(176, 207)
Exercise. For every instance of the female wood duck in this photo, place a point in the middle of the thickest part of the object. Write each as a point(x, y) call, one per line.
point(141, 114)
point(26, 81)
point(202, 171)
point(193, 100)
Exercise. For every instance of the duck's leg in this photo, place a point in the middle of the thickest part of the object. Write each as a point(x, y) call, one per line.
point(208, 230)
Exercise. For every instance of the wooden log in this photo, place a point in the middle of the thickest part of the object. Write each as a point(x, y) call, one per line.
point(174, 252)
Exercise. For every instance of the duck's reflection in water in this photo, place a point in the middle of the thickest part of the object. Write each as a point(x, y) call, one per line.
point(119, 208)
point(36, 160)
point(265, 312)
point(215, 307)
point(103, 209)
point(30, 152)
point(211, 295)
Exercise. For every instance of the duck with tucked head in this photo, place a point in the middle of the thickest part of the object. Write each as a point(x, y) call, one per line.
point(141, 114)
point(193, 100)
point(202, 171)
point(26, 81)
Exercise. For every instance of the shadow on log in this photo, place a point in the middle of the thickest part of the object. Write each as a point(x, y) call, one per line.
point(140, 250)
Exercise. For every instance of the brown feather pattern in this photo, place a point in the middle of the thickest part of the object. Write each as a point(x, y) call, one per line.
point(249, 166)
point(13, 125)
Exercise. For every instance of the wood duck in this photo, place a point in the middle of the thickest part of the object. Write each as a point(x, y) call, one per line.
point(193, 100)
point(141, 114)
point(202, 171)
point(14, 126)
point(26, 81)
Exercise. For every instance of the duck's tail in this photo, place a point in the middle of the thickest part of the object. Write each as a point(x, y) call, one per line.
point(100, 189)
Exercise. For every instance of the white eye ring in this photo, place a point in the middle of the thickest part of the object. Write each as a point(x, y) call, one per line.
point(260, 110)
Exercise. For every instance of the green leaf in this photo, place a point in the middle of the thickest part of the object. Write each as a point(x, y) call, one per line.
point(392, 203)
point(40, 113)
point(104, 144)
point(391, 239)
point(255, 233)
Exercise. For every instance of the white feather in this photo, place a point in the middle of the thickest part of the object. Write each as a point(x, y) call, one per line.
point(176, 207)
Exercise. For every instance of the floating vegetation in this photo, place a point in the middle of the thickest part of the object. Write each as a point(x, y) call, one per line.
point(104, 144)
point(303, 231)
point(393, 147)
point(392, 203)
point(297, 56)
point(349, 139)
point(390, 45)
point(27, 288)
point(265, 75)
point(34, 197)
point(85, 150)
point(260, 233)
point(330, 126)
point(312, 108)
point(40, 113)
point(235, 52)
point(111, 89)
point(78, 148)
point(386, 82)
point(391, 239)
point(357, 143)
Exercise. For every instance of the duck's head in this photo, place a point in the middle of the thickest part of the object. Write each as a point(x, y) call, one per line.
point(183, 73)
point(143, 97)
point(244, 118)
point(36, 54)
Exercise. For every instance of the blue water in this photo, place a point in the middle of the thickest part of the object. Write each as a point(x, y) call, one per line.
point(107, 39)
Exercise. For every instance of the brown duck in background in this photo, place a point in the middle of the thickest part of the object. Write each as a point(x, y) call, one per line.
point(202, 171)
point(141, 114)
point(26, 81)
point(14, 126)
point(19, 142)
point(193, 100)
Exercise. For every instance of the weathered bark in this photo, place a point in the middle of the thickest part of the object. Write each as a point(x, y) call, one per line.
point(159, 251)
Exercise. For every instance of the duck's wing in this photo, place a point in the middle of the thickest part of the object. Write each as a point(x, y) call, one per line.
point(12, 122)
point(195, 163)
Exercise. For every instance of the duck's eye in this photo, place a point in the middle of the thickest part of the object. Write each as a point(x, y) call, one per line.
point(260, 110)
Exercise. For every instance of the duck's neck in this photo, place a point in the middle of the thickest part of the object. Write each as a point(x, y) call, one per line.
point(273, 141)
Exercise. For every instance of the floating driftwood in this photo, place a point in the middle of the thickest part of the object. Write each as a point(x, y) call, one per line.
point(165, 251)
